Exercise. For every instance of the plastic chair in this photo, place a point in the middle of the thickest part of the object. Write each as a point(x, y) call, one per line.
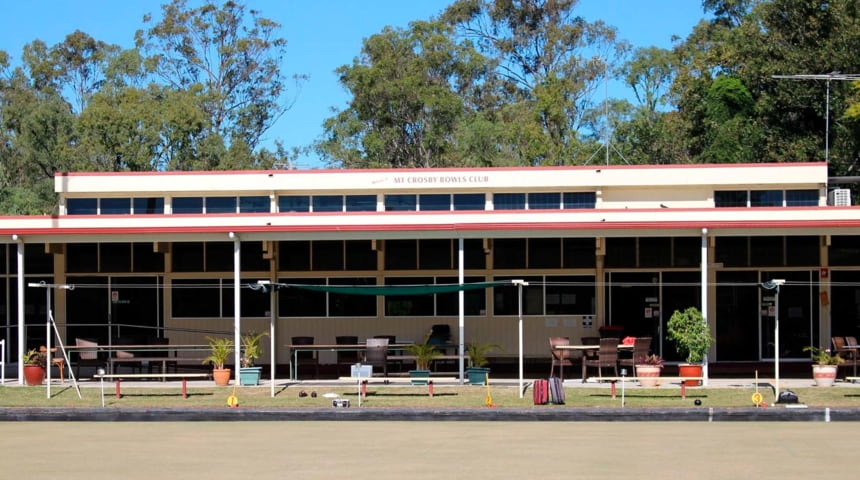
point(607, 356)
point(376, 354)
point(560, 358)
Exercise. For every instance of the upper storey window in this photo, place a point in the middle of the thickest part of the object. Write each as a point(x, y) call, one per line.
point(766, 198)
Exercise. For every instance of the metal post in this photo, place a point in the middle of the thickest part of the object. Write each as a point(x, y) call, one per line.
point(461, 308)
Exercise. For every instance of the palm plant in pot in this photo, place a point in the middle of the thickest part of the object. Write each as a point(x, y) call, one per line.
point(251, 351)
point(220, 350)
point(825, 365)
point(424, 354)
point(34, 367)
point(692, 337)
point(478, 371)
point(648, 370)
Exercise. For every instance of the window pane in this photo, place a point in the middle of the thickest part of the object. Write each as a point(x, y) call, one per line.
point(620, 252)
point(580, 200)
point(296, 302)
point(341, 305)
point(544, 253)
point(475, 258)
point(294, 203)
point(434, 254)
point(844, 250)
point(82, 206)
point(328, 203)
point(360, 255)
point(187, 256)
point(509, 253)
point(196, 298)
point(469, 201)
point(327, 255)
point(361, 203)
point(188, 205)
point(730, 198)
point(801, 198)
point(766, 198)
point(506, 298)
point(732, 251)
point(802, 251)
point(294, 255)
point(578, 253)
point(509, 201)
point(82, 257)
point(570, 295)
point(149, 205)
point(408, 305)
point(115, 206)
point(252, 258)
point(655, 251)
point(35, 259)
point(257, 204)
point(474, 301)
point(221, 205)
point(687, 252)
point(115, 257)
point(544, 201)
point(434, 202)
point(146, 260)
point(766, 252)
point(401, 203)
point(219, 256)
point(401, 255)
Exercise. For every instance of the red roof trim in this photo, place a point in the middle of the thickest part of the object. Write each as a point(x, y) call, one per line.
point(452, 169)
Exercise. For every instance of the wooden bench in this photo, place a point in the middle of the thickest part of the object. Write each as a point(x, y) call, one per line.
point(364, 381)
point(614, 380)
point(120, 376)
point(115, 362)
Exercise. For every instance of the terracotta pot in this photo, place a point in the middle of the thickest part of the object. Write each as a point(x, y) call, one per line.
point(690, 370)
point(824, 375)
point(648, 375)
point(34, 374)
point(221, 376)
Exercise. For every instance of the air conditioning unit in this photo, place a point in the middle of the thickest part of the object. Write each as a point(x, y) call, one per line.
point(839, 197)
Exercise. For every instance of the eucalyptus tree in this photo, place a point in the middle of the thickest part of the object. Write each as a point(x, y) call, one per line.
point(234, 58)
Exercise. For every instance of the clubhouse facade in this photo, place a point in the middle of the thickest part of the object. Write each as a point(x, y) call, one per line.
point(173, 254)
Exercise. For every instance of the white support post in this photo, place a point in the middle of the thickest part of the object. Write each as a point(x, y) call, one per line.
point(461, 309)
point(21, 346)
point(237, 298)
point(704, 283)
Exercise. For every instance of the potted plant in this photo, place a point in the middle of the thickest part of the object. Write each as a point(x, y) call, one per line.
point(424, 354)
point(647, 369)
point(251, 351)
point(825, 366)
point(34, 367)
point(478, 371)
point(220, 350)
point(692, 337)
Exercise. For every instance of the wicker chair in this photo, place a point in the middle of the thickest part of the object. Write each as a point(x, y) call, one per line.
point(346, 357)
point(607, 356)
point(376, 354)
point(641, 347)
point(560, 358)
point(87, 357)
point(307, 357)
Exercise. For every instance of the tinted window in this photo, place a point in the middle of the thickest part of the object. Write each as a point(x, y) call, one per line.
point(116, 206)
point(82, 206)
point(361, 203)
point(434, 202)
point(730, 198)
point(328, 203)
point(544, 201)
point(294, 203)
point(801, 198)
point(148, 205)
point(221, 205)
point(400, 203)
point(469, 201)
point(257, 204)
point(509, 201)
point(580, 200)
point(766, 198)
point(188, 205)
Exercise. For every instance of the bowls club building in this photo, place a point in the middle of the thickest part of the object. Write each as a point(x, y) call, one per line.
point(174, 254)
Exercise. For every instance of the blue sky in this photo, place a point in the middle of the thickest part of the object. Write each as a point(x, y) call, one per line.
point(321, 36)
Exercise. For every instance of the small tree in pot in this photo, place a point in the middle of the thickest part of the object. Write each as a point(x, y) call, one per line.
point(251, 351)
point(692, 337)
point(477, 371)
point(220, 350)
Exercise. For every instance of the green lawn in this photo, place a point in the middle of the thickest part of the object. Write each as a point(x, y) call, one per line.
point(407, 396)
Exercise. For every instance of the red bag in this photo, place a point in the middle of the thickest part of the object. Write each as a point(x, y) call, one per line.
point(628, 341)
point(541, 392)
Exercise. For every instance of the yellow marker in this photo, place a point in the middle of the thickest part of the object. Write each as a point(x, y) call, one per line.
point(233, 400)
point(756, 399)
